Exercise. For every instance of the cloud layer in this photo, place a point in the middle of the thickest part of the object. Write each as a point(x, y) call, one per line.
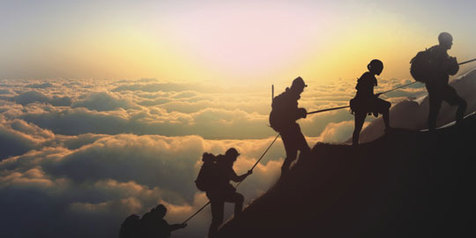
point(78, 156)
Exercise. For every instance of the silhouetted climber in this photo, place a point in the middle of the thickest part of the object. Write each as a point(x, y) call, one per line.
point(130, 228)
point(153, 224)
point(283, 118)
point(441, 65)
point(222, 191)
point(365, 101)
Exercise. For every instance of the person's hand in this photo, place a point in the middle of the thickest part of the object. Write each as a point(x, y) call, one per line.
point(249, 172)
point(378, 94)
point(183, 225)
point(303, 112)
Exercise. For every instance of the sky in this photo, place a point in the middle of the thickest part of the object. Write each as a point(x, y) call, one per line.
point(224, 42)
point(107, 106)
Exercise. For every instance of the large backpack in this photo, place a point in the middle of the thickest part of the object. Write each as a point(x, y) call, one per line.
point(206, 178)
point(279, 118)
point(130, 228)
point(421, 66)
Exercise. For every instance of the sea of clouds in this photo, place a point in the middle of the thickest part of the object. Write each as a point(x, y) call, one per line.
point(78, 156)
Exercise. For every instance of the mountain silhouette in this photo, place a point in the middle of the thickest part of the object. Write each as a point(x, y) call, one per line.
point(404, 184)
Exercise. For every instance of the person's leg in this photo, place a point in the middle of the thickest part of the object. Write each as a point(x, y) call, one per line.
point(291, 149)
point(462, 105)
point(301, 143)
point(238, 200)
point(359, 122)
point(383, 107)
point(218, 206)
point(435, 105)
point(452, 97)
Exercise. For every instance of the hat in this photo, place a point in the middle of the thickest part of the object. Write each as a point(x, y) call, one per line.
point(232, 152)
point(298, 82)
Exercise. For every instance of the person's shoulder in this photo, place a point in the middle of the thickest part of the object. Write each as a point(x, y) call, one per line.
point(366, 76)
point(284, 94)
point(437, 50)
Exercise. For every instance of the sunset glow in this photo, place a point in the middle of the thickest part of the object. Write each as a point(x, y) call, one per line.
point(250, 42)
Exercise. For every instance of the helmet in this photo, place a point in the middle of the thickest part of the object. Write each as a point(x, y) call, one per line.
point(232, 153)
point(375, 65)
point(445, 37)
point(298, 82)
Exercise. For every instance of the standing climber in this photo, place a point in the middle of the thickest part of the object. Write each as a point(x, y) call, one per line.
point(223, 191)
point(365, 101)
point(283, 118)
point(442, 65)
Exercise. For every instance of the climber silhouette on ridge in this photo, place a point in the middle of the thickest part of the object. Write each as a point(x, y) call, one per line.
point(283, 118)
point(436, 81)
point(222, 191)
point(365, 101)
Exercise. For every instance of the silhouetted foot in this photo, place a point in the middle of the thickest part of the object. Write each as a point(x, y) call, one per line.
point(459, 125)
point(389, 130)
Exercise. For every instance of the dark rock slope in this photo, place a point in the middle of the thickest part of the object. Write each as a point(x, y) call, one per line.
point(404, 184)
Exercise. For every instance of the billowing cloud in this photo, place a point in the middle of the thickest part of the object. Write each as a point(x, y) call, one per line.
point(77, 157)
point(88, 190)
point(37, 97)
point(102, 101)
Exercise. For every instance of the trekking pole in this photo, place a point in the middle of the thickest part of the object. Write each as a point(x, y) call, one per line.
point(208, 203)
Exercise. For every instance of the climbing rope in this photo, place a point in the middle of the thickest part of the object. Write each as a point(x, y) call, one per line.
point(328, 109)
point(468, 61)
point(391, 90)
point(342, 107)
point(260, 158)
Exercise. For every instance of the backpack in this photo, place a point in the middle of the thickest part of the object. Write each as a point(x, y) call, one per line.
point(421, 66)
point(207, 175)
point(130, 228)
point(279, 118)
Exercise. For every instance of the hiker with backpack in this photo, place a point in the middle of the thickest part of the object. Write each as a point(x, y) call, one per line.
point(366, 102)
point(151, 225)
point(130, 228)
point(214, 178)
point(433, 67)
point(283, 118)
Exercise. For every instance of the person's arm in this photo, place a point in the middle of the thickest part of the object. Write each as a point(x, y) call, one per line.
point(298, 112)
point(236, 178)
point(452, 66)
point(175, 227)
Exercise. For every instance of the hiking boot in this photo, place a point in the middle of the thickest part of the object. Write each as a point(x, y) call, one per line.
point(388, 130)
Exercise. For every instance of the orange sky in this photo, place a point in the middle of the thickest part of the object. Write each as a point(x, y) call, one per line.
point(219, 42)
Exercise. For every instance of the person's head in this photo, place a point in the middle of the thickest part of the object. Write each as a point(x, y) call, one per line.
point(231, 154)
point(298, 85)
point(161, 210)
point(207, 157)
point(375, 66)
point(445, 40)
